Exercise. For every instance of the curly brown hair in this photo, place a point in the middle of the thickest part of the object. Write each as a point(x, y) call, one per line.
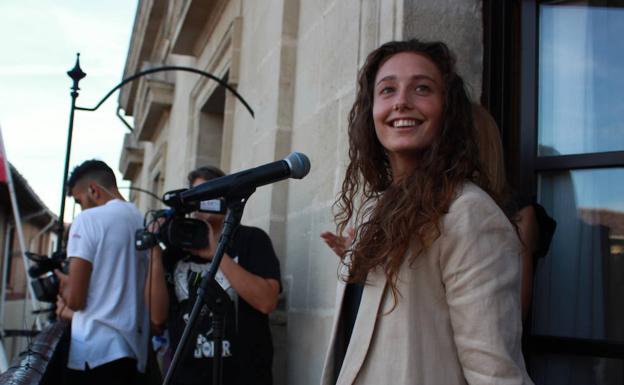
point(397, 216)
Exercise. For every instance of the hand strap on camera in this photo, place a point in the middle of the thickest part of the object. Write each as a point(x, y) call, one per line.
point(211, 293)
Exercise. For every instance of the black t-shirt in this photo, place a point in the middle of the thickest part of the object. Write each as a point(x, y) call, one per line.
point(247, 346)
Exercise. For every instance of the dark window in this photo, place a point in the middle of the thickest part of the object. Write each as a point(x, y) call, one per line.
point(554, 80)
point(210, 135)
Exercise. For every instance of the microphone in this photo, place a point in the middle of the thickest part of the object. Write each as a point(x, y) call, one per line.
point(296, 165)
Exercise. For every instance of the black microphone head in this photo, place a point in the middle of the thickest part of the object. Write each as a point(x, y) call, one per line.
point(299, 164)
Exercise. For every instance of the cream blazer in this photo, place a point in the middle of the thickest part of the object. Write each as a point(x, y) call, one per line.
point(458, 317)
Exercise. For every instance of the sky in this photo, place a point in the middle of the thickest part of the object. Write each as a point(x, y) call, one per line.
point(39, 40)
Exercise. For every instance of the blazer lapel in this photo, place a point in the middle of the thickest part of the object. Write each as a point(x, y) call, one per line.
point(364, 326)
point(328, 366)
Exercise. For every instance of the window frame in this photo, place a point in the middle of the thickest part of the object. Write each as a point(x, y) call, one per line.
point(511, 43)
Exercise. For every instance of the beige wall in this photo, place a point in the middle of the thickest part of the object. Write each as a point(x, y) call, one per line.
point(295, 62)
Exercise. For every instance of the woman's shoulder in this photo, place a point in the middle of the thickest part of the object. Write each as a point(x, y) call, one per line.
point(471, 196)
point(473, 205)
point(475, 212)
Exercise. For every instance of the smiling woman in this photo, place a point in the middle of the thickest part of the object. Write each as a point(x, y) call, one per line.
point(407, 108)
point(433, 271)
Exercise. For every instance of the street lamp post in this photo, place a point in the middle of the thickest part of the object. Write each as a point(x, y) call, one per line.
point(76, 74)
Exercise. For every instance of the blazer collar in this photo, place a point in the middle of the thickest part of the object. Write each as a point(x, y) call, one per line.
point(364, 326)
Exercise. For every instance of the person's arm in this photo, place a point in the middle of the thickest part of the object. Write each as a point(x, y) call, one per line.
point(74, 286)
point(259, 292)
point(526, 220)
point(81, 249)
point(156, 293)
point(480, 267)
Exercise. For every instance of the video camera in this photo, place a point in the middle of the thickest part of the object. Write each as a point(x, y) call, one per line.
point(175, 229)
point(45, 283)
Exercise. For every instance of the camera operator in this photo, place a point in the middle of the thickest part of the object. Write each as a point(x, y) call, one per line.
point(249, 273)
point(103, 292)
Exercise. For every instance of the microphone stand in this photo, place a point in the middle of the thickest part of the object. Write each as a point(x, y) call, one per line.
point(210, 288)
point(218, 302)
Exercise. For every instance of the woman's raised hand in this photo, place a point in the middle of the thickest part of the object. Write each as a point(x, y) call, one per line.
point(338, 244)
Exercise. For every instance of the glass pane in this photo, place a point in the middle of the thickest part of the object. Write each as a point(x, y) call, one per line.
point(581, 77)
point(551, 369)
point(579, 285)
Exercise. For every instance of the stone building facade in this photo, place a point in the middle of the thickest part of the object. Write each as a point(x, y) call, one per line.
point(295, 62)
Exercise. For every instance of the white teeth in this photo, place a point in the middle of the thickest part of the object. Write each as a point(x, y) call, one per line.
point(404, 123)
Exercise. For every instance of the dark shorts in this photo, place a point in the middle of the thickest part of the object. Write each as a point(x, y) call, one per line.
point(122, 371)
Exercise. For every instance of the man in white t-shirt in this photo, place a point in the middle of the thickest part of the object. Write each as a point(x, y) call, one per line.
point(103, 292)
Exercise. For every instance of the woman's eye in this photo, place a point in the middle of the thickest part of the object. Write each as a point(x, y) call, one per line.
point(386, 90)
point(422, 88)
